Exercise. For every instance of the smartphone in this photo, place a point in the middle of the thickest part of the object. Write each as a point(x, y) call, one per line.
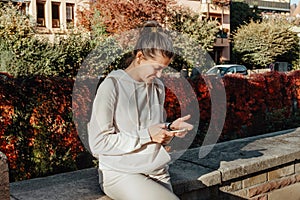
point(179, 130)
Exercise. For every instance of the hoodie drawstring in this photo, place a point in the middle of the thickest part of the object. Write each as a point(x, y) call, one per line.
point(148, 103)
point(138, 123)
point(149, 99)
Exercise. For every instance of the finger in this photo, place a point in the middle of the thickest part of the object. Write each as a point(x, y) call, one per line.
point(181, 134)
point(168, 148)
point(162, 126)
point(184, 118)
point(170, 134)
point(189, 127)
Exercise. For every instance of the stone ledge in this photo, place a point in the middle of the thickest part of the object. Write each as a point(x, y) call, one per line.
point(226, 162)
point(81, 184)
point(241, 157)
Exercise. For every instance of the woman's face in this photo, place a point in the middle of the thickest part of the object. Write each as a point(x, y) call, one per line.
point(149, 68)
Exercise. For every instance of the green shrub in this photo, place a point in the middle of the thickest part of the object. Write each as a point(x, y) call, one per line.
point(24, 54)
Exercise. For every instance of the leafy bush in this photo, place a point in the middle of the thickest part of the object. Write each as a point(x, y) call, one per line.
point(40, 137)
point(261, 43)
point(256, 105)
point(23, 53)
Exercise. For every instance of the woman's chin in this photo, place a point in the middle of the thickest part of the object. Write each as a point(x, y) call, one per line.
point(149, 80)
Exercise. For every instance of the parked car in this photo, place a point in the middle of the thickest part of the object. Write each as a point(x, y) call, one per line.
point(280, 66)
point(227, 69)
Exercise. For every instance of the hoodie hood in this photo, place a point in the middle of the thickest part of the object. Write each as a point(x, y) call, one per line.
point(141, 95)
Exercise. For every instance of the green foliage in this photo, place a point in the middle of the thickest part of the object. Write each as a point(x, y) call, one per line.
point(105, 57)
point(194, 38)
point(24, 54)
point(98, 31)
point(121, 18)
point(14, 27)
point(241, 14)
point(261, 43)
point(65, 56)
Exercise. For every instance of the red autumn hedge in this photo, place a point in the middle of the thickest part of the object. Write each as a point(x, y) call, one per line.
point(38, 123)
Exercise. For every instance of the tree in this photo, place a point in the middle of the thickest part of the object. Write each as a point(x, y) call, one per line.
point(241, 14)
point(119, 17)
point(197, 36)
point(258, 44)
point(23, 53)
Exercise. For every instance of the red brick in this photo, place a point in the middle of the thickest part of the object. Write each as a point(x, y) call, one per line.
point(271, 185)
point(262, 197)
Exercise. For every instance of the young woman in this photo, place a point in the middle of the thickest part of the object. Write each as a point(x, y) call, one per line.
point(127, 132)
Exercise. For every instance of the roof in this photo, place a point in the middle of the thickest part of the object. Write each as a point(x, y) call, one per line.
point(227, 65)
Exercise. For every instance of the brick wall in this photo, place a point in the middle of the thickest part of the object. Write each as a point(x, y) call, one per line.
point(267, 185)
point(4, 178)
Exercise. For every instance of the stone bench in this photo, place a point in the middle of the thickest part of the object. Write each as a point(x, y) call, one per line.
point(261, 167)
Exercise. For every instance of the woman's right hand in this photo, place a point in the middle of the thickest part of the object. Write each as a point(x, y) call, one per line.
point(159, 134)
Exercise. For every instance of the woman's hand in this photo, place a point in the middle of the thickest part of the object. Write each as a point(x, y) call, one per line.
point(181, 124)
point(159, 134)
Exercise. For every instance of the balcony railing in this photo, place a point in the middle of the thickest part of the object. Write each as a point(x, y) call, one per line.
point(221, 42)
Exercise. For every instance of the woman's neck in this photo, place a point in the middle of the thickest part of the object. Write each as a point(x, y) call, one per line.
point(132, 72)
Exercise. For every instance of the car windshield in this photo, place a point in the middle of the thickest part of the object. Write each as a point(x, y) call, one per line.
point(217, 70)
point(222, 70)
point(212, 71)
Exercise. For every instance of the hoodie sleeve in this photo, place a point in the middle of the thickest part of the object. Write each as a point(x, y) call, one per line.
point(103, 138)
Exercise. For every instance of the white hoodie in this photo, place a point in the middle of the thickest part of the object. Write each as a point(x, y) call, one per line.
point(123, 110)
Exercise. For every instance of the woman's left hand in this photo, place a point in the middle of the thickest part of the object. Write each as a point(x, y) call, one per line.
point(181, 123)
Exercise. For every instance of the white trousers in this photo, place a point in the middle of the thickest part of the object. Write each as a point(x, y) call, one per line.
point(124, 186)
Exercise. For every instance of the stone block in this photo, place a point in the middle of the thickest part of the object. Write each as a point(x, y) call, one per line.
point(241, 193)
point(211, 178)
point(4, 178)
point(281, 172)
point(82, 184)
point(254, 180)
point(187, 176)
point(297, 167)
point(231, 186)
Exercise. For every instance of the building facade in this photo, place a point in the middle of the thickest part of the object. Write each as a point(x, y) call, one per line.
point(270, 5)
point(51, 16)
point(215, 10)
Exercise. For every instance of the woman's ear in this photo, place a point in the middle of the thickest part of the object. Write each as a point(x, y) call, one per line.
point(139, 56)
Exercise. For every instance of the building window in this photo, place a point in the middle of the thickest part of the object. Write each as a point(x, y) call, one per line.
point(21, 7)
point(70, 14)
point(40, 14)
point(55, 15)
